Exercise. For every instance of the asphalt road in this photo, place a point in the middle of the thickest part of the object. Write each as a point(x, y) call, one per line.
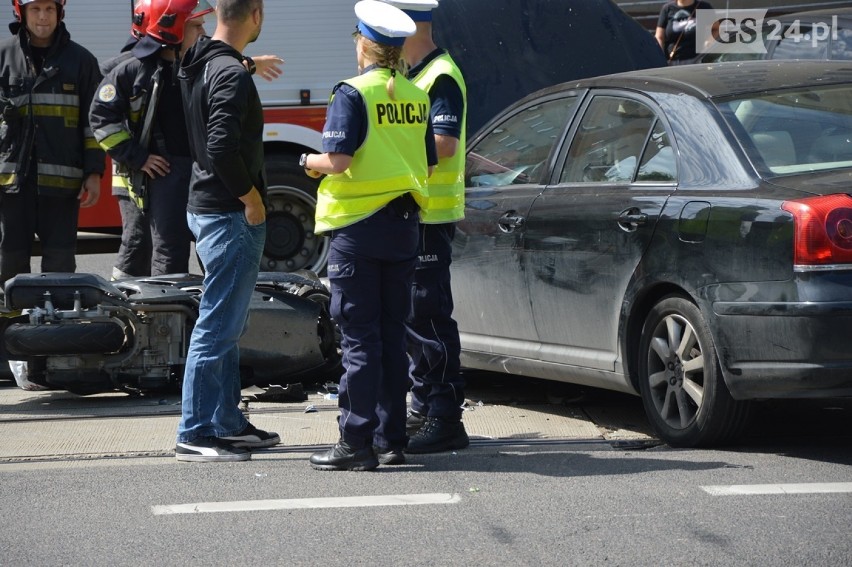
point(782, 496)
point(562, 503)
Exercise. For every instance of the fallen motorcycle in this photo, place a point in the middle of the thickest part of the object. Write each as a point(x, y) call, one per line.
point(83, 334)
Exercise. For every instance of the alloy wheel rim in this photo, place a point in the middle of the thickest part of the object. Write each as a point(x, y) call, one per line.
point(676, 371)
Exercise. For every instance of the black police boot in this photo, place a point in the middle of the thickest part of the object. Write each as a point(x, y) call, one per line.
point(342, 457)
point(439, 434)
point(413, 422)
point(389, 456)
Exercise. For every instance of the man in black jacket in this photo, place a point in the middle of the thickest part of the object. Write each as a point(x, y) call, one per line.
point(227, 214)
point(50, 164)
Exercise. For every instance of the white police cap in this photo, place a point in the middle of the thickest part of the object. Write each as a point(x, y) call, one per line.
point(383, 23)
point(419, 10)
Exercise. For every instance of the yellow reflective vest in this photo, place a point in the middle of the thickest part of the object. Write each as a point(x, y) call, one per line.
point(446, 185)
point(392, 160)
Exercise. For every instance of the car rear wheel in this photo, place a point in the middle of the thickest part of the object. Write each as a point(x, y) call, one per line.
point(683, 391)
point(291, 243)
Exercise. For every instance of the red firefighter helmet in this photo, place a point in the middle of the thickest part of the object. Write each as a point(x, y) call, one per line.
point(141, 18)
point(169, 16)
point(18, 6)
point(204, 7)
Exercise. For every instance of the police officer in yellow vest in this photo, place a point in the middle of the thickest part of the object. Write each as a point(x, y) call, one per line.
point(379, 151)
point(437, 393)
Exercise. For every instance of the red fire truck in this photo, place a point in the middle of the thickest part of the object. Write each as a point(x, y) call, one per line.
point(313, 37)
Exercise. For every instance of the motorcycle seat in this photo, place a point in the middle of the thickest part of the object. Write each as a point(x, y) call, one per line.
point(26, 291)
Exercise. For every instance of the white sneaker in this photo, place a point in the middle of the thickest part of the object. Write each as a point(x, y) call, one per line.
point(210, 450)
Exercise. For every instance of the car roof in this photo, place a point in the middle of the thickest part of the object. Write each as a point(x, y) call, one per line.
point(844, 15)
point(712, 80)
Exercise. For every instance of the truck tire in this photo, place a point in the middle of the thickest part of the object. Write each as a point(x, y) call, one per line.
point(291, 243)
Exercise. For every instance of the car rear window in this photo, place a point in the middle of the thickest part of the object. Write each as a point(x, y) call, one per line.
point(794, 131)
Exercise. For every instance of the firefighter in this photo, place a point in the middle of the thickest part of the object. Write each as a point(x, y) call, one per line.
point(134, 252)
point(379, 151)
point(50, 164)
point(137, 117)
point(437, 392)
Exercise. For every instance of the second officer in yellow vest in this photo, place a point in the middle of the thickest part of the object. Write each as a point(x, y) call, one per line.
point(379, 149)
point(437, 392)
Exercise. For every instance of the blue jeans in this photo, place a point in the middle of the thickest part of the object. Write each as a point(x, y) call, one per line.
point(230, 250)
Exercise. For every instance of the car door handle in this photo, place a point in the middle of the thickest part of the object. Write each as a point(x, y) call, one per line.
point(631, 219)
point(510, 221)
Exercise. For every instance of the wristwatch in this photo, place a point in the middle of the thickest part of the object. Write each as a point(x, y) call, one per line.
point(250, 64)
point(312, 173)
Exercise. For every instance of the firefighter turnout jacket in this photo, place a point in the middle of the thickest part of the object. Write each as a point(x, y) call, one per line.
point(126, 96)
point(45, 115)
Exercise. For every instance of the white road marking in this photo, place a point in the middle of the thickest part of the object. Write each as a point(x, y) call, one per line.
point(306, 503)
point(803, 488)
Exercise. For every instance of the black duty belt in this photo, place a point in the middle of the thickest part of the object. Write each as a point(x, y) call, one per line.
point(404, 205)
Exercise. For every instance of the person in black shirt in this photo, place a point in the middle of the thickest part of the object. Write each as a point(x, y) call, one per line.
point(227, 214)
point(676, 30)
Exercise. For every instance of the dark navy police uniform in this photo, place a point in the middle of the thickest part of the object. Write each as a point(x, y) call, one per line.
point(437, 387)
point(370, 267)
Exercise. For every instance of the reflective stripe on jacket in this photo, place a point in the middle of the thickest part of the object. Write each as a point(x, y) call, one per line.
point(392, 160)
point(446, 184)
point(117, 114)
point(45, 116)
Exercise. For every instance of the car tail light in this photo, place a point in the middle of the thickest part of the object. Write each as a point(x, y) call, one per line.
point(823, 227)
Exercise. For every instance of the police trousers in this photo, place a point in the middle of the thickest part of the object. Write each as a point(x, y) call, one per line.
point(370, 269)
point(433, 336)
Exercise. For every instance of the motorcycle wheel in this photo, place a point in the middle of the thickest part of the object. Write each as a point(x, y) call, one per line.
point(95, 337)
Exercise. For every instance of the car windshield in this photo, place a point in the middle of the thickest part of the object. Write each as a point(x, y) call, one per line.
point(794, 131)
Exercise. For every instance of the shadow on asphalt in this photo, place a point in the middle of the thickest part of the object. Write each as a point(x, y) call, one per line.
point(816, 430)
point(811, 428)
point(570, 461)
point(819, 429)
